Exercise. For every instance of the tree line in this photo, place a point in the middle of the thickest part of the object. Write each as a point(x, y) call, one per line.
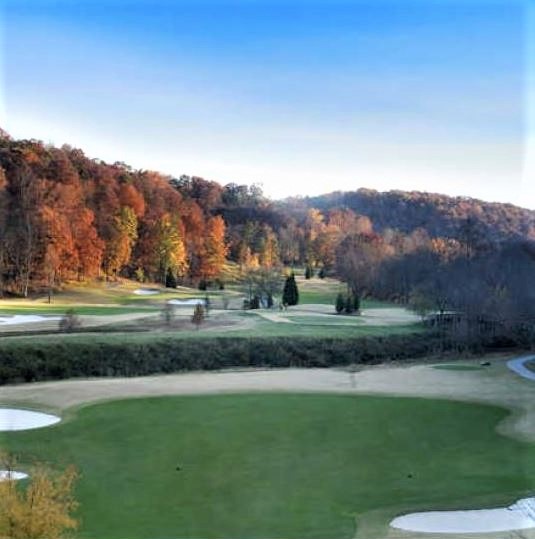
point(65, 216)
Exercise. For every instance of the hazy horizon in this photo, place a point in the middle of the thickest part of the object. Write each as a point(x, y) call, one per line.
point(299, 97)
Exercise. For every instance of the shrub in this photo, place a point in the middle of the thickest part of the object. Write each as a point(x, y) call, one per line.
point(198, 315)
point(170, 279)
point(34, 361)
point(340, 303)
point(70, 321)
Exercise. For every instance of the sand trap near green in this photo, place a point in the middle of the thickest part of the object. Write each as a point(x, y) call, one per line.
point(518, 516)
point(12, 475)
point(19, 319)
point(146, 291)
point(278, 465)
point(17, 419)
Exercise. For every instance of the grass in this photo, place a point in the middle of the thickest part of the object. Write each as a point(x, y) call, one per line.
point(101, 310)
point(333, 320)
point(286, 466)
point(266, 328)
point(261, 328)
point(460, 367)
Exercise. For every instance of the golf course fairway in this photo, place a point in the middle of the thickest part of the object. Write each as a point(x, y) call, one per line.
point(291, 466)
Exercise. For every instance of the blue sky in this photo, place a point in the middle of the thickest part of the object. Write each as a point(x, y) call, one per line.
point(302, 96)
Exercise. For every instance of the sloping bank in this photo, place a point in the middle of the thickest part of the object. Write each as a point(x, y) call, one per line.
point(28, 360)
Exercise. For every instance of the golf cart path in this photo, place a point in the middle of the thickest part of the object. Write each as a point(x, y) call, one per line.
point(518, 365)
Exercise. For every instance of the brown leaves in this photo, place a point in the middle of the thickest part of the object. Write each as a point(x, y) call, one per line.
point(43, 509)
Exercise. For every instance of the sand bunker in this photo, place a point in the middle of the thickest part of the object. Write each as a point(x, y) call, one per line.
point(146, 292)
point(15, 419)
point(186, 301)
point(519, 516)
point(25, 319)
point(6, 475)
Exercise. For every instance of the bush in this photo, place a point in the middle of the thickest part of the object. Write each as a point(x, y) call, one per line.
point(168, 313)
point(170, 279)
point(340, 303)
point(70, 321)
point(29, 361)
point(198, 315)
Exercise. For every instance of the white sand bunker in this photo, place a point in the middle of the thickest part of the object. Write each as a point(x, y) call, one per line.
point(25, 319)
point(11, 475)
point(519, 516)
point(186, 302)
point(146, 292)
point(15, 419)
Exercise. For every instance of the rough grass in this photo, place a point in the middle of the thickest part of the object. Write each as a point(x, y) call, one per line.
point(291, 466)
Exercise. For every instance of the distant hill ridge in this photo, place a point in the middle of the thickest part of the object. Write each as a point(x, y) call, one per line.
point(440, 215)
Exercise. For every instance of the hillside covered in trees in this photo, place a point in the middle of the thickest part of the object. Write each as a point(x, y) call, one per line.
point(439, 215)
point(65, 216)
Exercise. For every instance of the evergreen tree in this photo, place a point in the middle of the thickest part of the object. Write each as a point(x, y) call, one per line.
point(356, 303)
point(340, 303)
point(290, 294)
point(170, 279)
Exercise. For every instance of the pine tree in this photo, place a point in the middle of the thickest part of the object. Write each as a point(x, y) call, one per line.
point(170, 279)
point(340, 303)
point(290, 294)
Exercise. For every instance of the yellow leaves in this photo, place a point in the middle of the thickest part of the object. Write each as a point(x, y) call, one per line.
point(41, 510)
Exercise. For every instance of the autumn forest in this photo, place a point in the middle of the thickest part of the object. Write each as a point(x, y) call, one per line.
point(65, 216)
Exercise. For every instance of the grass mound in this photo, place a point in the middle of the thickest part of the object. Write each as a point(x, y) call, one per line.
point(292, 466)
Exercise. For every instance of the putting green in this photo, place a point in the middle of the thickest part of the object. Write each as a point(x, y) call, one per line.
point(271, 465)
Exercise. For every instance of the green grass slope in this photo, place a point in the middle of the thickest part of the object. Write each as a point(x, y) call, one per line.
point(280, 466)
